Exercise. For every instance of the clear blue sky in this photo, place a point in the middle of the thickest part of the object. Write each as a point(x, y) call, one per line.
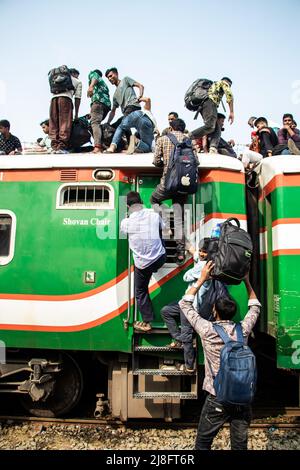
point(164, 44)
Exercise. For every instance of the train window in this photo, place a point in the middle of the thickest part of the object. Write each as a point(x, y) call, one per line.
point(85, 196)
point(7, 236)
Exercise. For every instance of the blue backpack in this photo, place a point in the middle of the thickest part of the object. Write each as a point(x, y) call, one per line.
point(235, 382)
point(182, 172)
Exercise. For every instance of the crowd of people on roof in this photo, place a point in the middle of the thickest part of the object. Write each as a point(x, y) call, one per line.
point(66, 132)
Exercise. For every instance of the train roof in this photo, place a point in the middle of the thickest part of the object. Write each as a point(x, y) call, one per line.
point(120, 160)
point(279, 165)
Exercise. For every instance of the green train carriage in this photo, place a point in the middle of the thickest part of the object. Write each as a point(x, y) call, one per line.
point(66, 283)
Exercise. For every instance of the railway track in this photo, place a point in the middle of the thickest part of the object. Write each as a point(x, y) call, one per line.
point(263, 418)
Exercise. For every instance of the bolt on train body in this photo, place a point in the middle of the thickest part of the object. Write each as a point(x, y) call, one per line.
point(66, 283)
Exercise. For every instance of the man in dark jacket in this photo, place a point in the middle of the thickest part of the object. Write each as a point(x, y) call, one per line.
point(267, 137)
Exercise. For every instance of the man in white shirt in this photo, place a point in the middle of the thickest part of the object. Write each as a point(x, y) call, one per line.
point(61, 116)
point(144, 227)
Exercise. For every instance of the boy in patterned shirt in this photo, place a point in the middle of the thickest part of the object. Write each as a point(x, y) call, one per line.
point(100, 105)
point(9, 144)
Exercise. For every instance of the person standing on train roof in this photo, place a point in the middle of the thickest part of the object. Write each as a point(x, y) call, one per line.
point(125, 97)
point(209, 112)
point(215, 414)
point(61, 113)
point(163, 151)
point(144, 228)
point(100, 106)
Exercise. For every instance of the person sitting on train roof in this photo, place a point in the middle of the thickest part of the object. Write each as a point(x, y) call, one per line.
point(100, 106)
point(46, 141)
point(289, 136)
point(209, 111)
point(215, 414)
point(144, 228)
point(163, 151)
point(267, 137)
point(61, 115)
point(9, 144)
point(126, 98)
point(172, 314)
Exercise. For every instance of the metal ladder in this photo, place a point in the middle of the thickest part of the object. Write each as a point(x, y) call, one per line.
point(143, 357)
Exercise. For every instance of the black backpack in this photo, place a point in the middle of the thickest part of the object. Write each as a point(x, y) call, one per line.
point(182, 171)
point(233, 256)
point(60, 80)
point(80, 134)
point(197, 93)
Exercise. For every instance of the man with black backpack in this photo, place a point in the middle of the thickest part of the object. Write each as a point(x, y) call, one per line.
point(204, 97)
point(63, 86)
point(230, 370)
point(175, 154)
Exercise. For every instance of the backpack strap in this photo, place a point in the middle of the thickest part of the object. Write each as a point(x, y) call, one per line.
point(221, 332)
point(239, 333)
point(172, 138)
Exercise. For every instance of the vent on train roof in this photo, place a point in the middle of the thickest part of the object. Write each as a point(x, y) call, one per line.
point(68, 175)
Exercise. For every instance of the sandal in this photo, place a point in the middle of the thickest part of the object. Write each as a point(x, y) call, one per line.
point(175, 345)
point(142, 326)
point(184, 368)
point(180, 259)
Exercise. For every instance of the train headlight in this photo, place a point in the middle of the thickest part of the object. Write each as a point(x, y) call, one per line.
point(103, 175)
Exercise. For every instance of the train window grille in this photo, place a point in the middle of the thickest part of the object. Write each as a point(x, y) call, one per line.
point(85, 196)
point(7, 236)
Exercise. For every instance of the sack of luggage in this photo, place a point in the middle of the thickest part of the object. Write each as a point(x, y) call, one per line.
point(60, 80)
point(216, 290)
point(197, 93)
point(80, 134)
point(182, 171)
point(233, 255)
point(235, 382)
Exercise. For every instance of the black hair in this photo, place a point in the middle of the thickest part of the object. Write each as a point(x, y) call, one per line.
point(46, 122)
point(174, 114)
point(112, 69)
point(39, 140)
point(178, 125)
point(259, 119)
point(72, 70)
point(227, 80)
point(204, 243)
point(98, 72)
point(5, 123)
point(288, 115)
point(133, 197)
point(225, 308)
point(221, 116)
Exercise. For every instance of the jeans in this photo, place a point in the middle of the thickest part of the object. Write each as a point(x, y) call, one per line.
point(171, 314)
point(178, 200)
point(214, 415)
point(141, 282)
point(144, 127)
point(98, 114)
point(209, 113)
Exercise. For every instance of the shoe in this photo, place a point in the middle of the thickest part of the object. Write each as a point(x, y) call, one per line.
point(180, 259)
point(61, 152)
point(293, 147)
point(142, 326)
point(213, 150)
point(132, 145)
point(175, 344)
point(184, 368)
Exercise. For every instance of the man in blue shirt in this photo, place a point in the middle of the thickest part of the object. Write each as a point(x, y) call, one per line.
point(144, 228)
